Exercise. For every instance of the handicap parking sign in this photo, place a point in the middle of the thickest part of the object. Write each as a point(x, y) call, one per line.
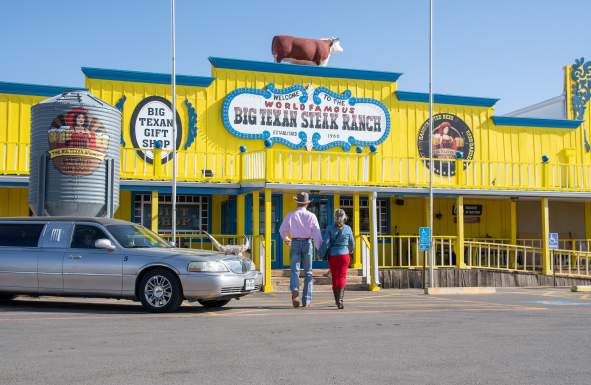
point(425, 238)
point(553, 241)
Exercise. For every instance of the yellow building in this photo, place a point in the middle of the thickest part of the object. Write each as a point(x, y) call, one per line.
point(255, 133)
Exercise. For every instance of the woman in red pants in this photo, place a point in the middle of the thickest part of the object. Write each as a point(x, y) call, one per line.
point(338, 243)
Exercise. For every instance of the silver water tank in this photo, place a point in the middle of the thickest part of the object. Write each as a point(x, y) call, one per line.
point(74, 157)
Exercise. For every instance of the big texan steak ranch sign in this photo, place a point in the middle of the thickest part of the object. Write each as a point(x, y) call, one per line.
point(311, 118)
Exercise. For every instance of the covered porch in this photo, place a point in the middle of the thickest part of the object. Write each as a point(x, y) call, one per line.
point(501, 233)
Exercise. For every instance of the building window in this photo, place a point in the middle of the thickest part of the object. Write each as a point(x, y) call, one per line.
point(383, 208)
point(192, 212)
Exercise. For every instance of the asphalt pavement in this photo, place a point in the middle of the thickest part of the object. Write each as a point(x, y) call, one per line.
point(517, 336)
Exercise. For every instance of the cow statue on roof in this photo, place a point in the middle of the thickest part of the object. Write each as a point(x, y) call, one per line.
point(297, 50)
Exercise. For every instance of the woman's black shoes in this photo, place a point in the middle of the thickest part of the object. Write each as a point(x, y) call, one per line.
point(340, 304)
point(339, 293)
point(336, 293)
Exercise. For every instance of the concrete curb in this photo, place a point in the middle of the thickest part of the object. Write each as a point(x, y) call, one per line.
point(460, 290)
point(581, 288)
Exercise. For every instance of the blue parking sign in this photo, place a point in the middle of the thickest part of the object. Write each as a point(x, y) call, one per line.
point(425, 238)
point(553, 241)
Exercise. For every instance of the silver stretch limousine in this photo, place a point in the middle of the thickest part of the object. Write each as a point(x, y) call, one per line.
point(97, 257)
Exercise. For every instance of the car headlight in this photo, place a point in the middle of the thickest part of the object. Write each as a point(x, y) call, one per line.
point(209, 266)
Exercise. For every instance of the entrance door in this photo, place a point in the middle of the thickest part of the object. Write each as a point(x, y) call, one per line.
point(229, 216)
point(322, 206)
point(276, 219)
point(55, 244)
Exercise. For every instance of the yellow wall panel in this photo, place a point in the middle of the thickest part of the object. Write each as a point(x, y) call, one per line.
point(494, 221)
point(125, 205)
point(15, 132)
point(14, 202)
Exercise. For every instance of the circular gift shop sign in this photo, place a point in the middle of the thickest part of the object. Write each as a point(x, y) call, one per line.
point(151, 128)
point(452, 138)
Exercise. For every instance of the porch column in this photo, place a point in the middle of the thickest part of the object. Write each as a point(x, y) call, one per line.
point(356, 263)
point(240, 214)
point(513, 229)
point(267, 284)
point(546, 254)
point(460, 263)
point(337, 200)
point(154, 214)
point(256, 251)
point(588, 220)
point(374, 284)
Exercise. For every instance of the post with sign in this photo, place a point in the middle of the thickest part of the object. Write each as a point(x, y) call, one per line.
point(553, 245)
point(425, 246)
point(553, 241)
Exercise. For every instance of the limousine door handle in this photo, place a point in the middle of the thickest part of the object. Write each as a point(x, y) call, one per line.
point(75, 257)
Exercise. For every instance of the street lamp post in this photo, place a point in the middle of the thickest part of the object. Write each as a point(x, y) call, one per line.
point(173, 84)
point(431, 251)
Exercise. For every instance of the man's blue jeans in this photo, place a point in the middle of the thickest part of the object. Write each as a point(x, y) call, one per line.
point(301, 252)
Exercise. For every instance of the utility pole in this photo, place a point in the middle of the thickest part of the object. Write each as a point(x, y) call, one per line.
point(431, 165)
point(174, 128)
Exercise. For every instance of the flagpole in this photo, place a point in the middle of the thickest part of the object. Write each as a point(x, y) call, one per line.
point(431, 165)
point(173, 84)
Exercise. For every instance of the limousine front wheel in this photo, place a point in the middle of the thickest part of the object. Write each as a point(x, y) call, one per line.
point(160, 291)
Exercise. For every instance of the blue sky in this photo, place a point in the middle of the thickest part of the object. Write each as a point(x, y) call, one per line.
point(509, 49)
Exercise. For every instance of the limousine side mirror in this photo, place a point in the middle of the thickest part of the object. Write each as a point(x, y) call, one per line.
point(104, 243)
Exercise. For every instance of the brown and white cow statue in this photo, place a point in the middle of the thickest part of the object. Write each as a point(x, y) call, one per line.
point(239, 250)
point(297, 50)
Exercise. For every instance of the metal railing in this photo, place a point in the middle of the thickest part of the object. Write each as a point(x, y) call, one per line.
point(414, 171)
point(571, 262)
point(503, 174)
point(578, 244)
point(194, 240)
point(254, 166)
point(403, 251)
point(292, 166)
point(488, 240)
point(330, 167)
point(192, 166)
point(502, 256)
point(14, 158)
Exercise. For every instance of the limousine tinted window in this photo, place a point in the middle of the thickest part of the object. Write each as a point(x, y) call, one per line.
point(23, 235)
point(135, 236)
point(85, 236)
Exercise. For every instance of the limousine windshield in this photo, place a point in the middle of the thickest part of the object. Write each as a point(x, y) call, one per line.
point(134, 236)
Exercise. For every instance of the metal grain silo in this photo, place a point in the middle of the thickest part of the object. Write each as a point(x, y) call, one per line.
point(74, 156)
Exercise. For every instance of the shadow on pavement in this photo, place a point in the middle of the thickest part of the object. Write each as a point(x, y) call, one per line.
point(79, 306)
point(82, 307)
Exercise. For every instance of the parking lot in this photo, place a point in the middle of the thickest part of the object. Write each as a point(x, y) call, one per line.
point(517, 336)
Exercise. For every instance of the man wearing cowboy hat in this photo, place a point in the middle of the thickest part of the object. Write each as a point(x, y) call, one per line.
point(299, 228)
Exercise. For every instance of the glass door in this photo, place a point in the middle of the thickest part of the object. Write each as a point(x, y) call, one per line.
point(322, 207)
